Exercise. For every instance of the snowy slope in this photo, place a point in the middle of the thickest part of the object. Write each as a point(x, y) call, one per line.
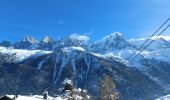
point(72, 48)
point(161, 42)
point(160, 54)
point(167, 97)
point(23, 54)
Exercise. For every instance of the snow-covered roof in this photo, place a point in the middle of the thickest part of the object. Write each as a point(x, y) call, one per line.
point(40, 97)
point(67, 81)
point(35, 97)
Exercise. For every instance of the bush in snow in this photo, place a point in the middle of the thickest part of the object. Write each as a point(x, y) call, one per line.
point(45, 95)
point(72, 93)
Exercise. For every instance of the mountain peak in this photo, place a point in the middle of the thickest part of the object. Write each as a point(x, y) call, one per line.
point(114, 41)
point(46, 39)
point(79, 37)
point(74, 40)
point(29, 39)
point(114, 35)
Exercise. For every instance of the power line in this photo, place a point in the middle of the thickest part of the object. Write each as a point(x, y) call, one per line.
point(148, 38)
point(150, 43)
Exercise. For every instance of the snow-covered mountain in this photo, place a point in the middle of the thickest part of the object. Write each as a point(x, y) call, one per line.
point(110, 43)
point(145, 78)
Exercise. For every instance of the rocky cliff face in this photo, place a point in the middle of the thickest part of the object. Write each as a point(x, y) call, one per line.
point(46, 44)
point(26, 43)
point(48, 71)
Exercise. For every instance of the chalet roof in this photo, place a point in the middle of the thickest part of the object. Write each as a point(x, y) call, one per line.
point(5, 98)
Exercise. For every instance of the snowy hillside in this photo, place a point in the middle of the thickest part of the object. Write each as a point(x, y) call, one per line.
point(167, 97)
point(21, 54)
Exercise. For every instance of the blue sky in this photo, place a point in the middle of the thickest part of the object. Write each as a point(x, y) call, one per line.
point(95, 18)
